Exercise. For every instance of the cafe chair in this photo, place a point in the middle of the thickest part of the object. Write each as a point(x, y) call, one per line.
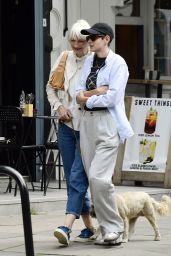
point(53, 157)
point(12, 146)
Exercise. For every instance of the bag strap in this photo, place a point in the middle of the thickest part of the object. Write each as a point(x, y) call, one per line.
point(63, 59)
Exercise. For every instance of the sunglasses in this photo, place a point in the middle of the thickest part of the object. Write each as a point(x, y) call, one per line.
point(94, 37)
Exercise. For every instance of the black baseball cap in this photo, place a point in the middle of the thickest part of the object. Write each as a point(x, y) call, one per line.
point(99, 29)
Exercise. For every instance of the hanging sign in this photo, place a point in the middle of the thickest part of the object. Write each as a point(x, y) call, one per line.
point(147, 150)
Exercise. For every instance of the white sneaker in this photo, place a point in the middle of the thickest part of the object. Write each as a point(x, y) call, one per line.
point(109, 243)
point(111, 237)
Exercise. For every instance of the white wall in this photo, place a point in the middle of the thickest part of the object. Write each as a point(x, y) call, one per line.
point(56, 29)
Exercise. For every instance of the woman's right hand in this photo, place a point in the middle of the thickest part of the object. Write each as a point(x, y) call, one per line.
point(64, 114)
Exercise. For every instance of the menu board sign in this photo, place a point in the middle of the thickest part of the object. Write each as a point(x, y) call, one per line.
point(147, 150)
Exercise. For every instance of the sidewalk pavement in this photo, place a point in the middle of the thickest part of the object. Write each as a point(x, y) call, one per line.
point(48, 213)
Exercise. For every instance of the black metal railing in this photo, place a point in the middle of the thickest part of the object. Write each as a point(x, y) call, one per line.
point(25, 206)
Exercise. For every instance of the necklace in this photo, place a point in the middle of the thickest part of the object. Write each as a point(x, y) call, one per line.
point(99, 62)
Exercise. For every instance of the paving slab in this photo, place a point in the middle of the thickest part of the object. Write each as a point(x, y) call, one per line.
point(48, 213)
point(12, 239)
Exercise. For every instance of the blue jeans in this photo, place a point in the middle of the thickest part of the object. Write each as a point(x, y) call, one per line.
point(76, 179)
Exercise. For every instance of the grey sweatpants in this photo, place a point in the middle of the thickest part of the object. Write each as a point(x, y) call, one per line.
point(99, 142)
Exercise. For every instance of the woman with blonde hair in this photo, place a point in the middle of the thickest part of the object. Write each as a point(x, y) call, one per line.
point(64, 103)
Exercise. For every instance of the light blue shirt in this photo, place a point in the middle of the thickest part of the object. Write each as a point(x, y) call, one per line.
point(114, 74)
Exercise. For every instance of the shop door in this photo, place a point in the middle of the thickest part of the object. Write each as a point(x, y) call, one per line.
point(129, 44)
point(17, 50)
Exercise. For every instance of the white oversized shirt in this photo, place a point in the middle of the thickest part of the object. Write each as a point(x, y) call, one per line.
point(114, 74)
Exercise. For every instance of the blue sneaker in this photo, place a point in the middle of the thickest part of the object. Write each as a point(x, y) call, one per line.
point(85, 235)
point(62, 233)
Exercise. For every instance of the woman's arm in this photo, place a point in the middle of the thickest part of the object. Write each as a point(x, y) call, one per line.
point(52, 97)
point(83, 96)
point(98, 91)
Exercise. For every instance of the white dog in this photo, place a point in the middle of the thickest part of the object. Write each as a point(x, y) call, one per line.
point(132, 205)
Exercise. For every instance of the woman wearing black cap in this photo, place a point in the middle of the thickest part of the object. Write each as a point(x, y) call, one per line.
point(103, 125)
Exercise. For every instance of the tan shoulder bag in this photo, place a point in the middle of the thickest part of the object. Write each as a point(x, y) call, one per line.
point(57, 79)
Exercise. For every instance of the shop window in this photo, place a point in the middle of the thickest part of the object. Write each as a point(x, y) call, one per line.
point(129, 8)
point(162, 37)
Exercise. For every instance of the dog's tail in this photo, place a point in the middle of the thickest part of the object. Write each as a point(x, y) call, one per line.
point(162, 207)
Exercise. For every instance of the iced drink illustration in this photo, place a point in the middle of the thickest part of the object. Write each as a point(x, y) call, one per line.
point(147, 150)
point(150, 121)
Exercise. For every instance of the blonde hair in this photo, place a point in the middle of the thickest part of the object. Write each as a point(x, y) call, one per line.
point(75, 31)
